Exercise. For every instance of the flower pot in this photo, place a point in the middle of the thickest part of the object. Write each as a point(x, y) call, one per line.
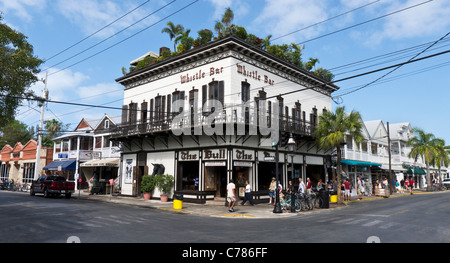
point(147, 196)
point(164, 198)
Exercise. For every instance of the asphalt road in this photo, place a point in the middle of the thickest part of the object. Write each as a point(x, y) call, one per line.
point(421, 218)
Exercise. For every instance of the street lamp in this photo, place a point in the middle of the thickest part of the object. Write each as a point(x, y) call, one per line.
point(291, 147)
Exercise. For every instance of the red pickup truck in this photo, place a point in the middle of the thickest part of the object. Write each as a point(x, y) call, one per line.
point(52, 184)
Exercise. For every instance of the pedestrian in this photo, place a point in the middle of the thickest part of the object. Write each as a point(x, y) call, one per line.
point(231, 196)
point(411, 185)
point(308, 186)
point(359, 187)
point(272, 193)
point(91, 184)
point(347, 187)
point(320, 185)
point(406, 184)
point(301, 186)
point(248, 195)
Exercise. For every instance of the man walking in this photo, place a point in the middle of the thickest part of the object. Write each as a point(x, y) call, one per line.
point(231, 196)
point(272, 187)
point(248, 195)
point(347, 187)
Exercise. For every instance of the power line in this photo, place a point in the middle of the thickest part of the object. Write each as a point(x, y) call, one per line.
point(396, 67)
point(101, 29)
point(365, 22)
point(329, 19)
point(285, 93)
point(123, 40)
point(98, 43)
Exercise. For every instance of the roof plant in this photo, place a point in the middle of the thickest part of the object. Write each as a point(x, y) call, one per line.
point(291, 53)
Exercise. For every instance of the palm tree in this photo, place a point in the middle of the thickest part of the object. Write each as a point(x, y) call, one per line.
point(228, 16)
point(311, 64)
point(173, 32)
point(426, 146)
point(222, 25)
point(442, 157)
point(331, 132)
point(266, 42)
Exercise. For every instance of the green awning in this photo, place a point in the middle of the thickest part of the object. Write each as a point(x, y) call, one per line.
point(416, 170)
point(359, 163)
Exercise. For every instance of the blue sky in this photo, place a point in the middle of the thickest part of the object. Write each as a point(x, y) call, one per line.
point(417, 93)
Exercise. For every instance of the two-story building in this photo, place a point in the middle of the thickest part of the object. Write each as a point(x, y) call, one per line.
point(87, 150)
point(210, 115)
point(371, 160)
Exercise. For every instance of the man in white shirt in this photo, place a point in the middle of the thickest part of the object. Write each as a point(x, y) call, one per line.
point(231, 196)
point(301, 186)
point(248, 195)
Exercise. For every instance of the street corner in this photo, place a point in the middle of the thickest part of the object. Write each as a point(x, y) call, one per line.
point(233, 215)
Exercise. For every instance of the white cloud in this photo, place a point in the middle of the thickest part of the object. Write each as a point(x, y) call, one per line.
point(285, 16)
point(91, 15)
point(21, 8)
point(425, 20)
point(101, 90)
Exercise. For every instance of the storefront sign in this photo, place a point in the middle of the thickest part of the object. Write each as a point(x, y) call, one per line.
point(188, 156)
point(63, 156)
point(245, 155)
point(200, 74)
point(215, 164)
point(254, 74)
point(243, 164)
point(219, 154)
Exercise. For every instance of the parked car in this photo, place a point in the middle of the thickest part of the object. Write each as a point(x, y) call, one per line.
point(52, 185)
point(446, 183)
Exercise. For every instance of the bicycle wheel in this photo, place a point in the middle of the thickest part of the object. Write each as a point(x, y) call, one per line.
point(298, 205)
point(310, 204)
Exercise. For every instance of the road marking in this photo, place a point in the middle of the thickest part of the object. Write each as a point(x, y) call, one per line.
point(388, 225)
point(399, 212)
point(372, 223)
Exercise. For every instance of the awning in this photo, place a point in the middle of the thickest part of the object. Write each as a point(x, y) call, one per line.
point(416, 170)
point(61, 165)
point(360, 163)
point(110, 162)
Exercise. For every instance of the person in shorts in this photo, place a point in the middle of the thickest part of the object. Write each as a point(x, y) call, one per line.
point(272, 187)
point(231, 196)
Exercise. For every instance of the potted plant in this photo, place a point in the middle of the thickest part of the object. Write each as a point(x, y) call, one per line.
point(147, 186)
point(164, 182)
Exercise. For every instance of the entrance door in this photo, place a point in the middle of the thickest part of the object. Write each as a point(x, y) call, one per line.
point(216, 180)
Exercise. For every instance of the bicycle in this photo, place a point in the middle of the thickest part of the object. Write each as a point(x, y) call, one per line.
point(286, 202)
point(306, 201)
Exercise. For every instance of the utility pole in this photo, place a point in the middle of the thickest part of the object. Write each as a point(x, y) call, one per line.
point(389, 154)
point(41, 128)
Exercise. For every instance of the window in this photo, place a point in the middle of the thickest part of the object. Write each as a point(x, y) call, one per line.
point(245, 91)
point(98, 142)
point(216, 92)
point(106, 124)
point(4, 171)
point(158, 108)
point(28, 172)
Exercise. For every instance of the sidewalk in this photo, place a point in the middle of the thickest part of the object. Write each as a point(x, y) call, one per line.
point(217, 209)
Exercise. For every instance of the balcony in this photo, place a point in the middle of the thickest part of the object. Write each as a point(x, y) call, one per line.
point(228, 118)
point(83, 155)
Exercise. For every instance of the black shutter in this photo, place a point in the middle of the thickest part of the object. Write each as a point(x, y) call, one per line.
point(221, 93)
point(124, 114)
point(204, 96)
point(151, 110)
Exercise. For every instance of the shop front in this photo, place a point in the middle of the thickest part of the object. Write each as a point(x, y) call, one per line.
point(66, 168)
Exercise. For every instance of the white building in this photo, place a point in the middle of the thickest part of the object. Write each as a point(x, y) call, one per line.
point(239, 76)
point(87, 149)
point(370, 159)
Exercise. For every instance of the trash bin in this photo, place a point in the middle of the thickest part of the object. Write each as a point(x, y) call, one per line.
point(177, 201)
point(333, 197)
point(325, 199)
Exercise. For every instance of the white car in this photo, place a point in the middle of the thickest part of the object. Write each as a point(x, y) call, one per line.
point(446, 183)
